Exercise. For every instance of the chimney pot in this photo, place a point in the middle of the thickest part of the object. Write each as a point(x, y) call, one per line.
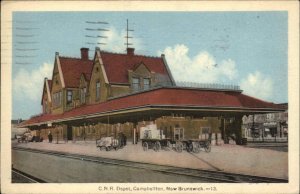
point(130, 51)
point(84, 53)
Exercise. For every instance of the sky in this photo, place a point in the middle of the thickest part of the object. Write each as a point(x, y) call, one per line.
point(248, 49)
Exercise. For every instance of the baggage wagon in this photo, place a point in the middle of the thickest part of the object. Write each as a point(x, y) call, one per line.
point(153, 138)
point(107, 143)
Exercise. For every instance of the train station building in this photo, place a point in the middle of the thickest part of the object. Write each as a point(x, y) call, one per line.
point(121, 92)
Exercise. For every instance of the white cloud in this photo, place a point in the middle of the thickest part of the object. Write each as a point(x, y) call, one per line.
point(29, 84)
point(258, 85)
point(115, 41)
point(201, 68)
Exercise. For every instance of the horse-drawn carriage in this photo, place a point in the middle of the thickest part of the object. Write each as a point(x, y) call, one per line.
point(153, 138)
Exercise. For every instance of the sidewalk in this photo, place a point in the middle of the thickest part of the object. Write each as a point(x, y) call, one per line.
point(228, 158)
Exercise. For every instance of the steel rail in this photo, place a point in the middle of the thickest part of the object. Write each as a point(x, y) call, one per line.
point(26, 176)
point(209, 175)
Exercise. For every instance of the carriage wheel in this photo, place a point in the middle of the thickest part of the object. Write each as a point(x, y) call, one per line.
point(145, 146)
point(207, 147)
point(116, 148)
point(157, 146)
point(196, 147)
point(189, 146)
point(168, 146)
point(108, 148)
point(179, 147)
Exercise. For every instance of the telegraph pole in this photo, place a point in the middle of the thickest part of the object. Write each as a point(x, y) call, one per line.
point(127, 35)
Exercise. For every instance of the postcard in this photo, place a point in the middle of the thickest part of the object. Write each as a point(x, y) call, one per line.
point(150, 97)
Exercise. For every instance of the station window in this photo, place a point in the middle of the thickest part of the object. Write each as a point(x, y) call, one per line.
point(82, 95)
point(98, 90)
point(146, 83)
point(69, 96)
point(205, 130)
point(135, 84)
point(57, 99)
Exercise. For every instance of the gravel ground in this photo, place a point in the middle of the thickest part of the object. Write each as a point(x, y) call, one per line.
point(228, 158)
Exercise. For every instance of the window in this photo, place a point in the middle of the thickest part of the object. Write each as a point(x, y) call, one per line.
point(135, 84)
point(82, 95)
point(98, 90)
point(204, 133)
point(146, 83)
point(69, 96)
point(57, 99)
point(205, 129)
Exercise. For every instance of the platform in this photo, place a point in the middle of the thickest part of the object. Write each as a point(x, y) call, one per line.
point(227, 158)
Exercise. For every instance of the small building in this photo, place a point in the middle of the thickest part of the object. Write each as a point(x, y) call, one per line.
point(267, 126)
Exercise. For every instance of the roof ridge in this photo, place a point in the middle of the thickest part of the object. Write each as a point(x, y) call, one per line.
point(68, 57)
point(138, 55)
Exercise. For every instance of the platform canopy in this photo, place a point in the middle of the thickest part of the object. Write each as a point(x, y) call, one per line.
point(163, 101)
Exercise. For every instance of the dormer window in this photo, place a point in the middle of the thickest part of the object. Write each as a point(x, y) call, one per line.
point(146, 83)
point(69, 96)
point(135, 84)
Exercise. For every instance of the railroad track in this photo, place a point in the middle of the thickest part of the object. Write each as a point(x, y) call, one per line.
point(207, 175)
point(22, 177)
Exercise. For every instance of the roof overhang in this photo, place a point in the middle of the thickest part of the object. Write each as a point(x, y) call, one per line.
point(156, 111)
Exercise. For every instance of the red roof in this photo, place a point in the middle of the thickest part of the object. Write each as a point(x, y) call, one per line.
point(72, 68)
point(117, 65)
point(167, 97)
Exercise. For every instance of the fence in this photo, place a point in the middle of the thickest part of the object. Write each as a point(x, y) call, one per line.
point(208, 85)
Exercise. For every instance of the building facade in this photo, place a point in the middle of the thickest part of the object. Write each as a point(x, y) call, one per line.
point(267, 126)
point(115, 92)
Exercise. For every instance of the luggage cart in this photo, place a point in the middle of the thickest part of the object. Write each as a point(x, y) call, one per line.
point(107, 143)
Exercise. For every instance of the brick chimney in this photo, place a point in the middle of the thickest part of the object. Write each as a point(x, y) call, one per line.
point(84, 53)
point(130, 51)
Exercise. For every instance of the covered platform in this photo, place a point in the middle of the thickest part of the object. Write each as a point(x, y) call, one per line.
point(158, 102)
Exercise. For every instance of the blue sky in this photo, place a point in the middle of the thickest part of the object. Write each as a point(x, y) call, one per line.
point(243, 48)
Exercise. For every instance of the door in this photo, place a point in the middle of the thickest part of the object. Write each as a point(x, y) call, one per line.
point(69, 132)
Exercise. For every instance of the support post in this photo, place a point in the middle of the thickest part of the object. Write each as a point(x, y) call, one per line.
point(238, 129)
point(134, 136)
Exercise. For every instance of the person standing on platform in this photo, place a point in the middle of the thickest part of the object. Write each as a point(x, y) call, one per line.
point(50, 137)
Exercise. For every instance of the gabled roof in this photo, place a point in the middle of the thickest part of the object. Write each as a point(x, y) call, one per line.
point(175, 97)
point(117, 65)
point(48, 89)
point(72, 68)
